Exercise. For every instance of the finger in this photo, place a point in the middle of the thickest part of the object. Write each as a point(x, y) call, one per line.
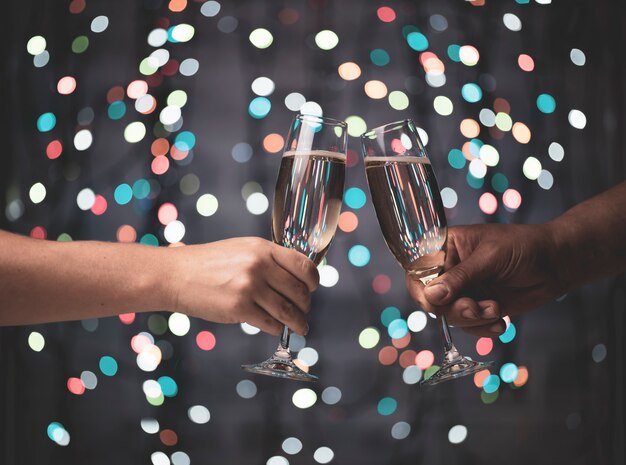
point(259, 318)
point(298, 265)
point(290, 287)
point(416, 291)
point(283, 310)
point(454, 281)
point(490, 330)
point(467, 312)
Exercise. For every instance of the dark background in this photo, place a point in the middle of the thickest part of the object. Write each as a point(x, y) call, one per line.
point(571, 410)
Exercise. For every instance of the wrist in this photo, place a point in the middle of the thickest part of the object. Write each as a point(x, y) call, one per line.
point(155, 289)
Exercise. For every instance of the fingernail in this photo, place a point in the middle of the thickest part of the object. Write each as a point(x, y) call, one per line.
point(468, 314)
point(489, 313)
point(306, 330)
point(436, 292)
point(496, 329)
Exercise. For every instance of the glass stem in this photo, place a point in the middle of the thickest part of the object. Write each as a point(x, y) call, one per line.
point(282, 351)
point(450, 351)
point(284, 338)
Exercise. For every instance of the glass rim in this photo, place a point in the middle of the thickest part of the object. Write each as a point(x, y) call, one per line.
point(321, 119)
point(386, 128)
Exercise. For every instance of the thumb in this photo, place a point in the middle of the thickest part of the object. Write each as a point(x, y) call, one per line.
point(457, 279)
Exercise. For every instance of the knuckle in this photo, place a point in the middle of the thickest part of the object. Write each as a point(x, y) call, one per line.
point(307, 266)
point(460, 275)
point(287, 309)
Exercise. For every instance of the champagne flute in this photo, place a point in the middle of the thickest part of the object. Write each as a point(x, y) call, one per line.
point(305, 213)
point(412, 218)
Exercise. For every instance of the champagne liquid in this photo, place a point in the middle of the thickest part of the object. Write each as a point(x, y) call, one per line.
point(410, 212)
point(307, 201)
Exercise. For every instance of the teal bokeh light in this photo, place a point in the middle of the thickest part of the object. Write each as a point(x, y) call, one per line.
point(354, 198)
point(168, 386)
point(475, 183)
point(46, 122)
point(141, 189)
point(398, 329)
point(456, 159)
point(116, 110)
point(123, 194)
point(149, 239)
point(454, 52)
point(380, 57)
point(52, 427)
point(185, 141)
point(491, 384)
point(359, 255)
point(389, 314)
point(387, 405)
point(471, 92)
point(259, 107)
point(509, 334)
point(509, 372)
point(499, 182)
point(108, 366)
point(546, 103)
point(417, 41)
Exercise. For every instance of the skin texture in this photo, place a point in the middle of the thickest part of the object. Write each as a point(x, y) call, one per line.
point(237, 280)
point(496, 270)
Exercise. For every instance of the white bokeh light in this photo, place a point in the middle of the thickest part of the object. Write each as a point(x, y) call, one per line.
point(85, 199)
point(257, 203)
point(83, 139)
point(304, 398)
point(263, 86)
point(329, 276)
point(174, 231)
point(457, 434)
point(37, 193)
point(179, 324)
point(199, 414)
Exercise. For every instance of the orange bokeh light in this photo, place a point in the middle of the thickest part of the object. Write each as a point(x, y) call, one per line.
point(480, 377)
point(160, 147)
point(375, 89)
point(273, 143)
point(424, 359)
point(126, 233)
point(407, 358)
point(348, 221)
point(349, 71)
point(521, 133)
point(522, 377)
point(177, 5)
point(470, 128)
point(387, 355)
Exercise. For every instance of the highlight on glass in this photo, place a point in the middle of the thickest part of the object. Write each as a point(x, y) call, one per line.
point(306, 208)
point(412, 218)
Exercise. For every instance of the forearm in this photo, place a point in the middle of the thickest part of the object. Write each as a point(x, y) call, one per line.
point(44, 281)
point(591, 238)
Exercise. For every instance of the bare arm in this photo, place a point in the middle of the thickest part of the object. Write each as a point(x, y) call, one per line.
point(495, 270)
point(231, 281)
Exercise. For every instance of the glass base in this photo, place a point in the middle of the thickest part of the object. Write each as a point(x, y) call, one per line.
point(455, 368)
point(280, 367)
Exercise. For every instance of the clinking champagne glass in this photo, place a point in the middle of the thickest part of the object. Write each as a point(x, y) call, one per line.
point(306, 208)
point(412, 218)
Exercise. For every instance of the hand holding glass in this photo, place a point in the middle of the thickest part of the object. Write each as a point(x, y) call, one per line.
point(306, 208)
point(412, 218)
